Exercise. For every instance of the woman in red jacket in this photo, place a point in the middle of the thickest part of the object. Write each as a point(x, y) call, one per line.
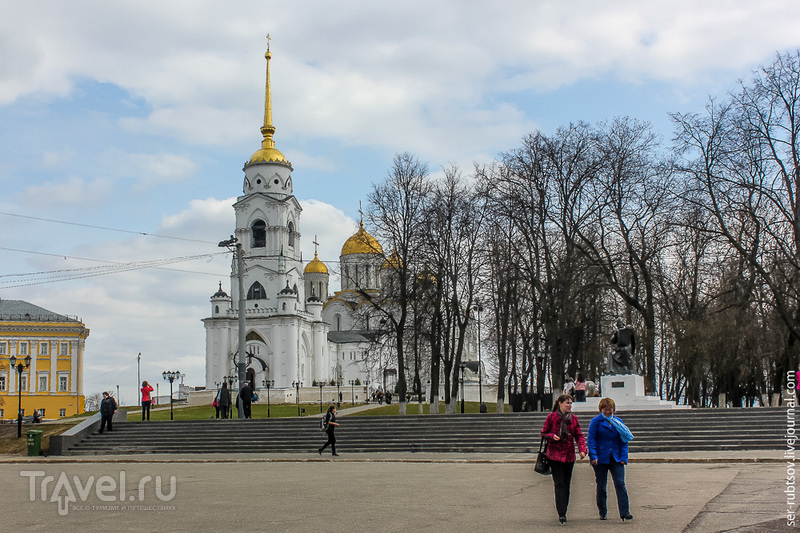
point(562, 431)
point(146, 390)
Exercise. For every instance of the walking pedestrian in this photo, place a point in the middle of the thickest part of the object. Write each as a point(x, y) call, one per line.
point(580, 388)
point(330, 428)
point(108, 406)
point(608, 452)
point(245, 399)
point(146, 390)
point(224, 400)
point(563, 432)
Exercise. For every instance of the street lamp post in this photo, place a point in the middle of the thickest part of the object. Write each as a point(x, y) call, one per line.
point(352, 392)
point(19, 368)
point(321, 384)
point(268, 383)
point(338, 394)
point(478, 308)
point(170, 376)
point(366, 391)
point(463, 392)
point(297, 385)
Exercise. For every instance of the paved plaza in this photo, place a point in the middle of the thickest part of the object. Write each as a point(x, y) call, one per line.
point(383, 493)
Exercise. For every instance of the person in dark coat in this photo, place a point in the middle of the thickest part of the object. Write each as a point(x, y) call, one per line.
point(246, 399)
point(224, 400)
point(108, 406)
point(330, 428)
point(563, 432)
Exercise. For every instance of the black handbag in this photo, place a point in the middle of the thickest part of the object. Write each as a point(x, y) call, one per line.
point(542, 462)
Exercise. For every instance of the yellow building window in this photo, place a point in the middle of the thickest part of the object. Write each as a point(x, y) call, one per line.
point(43, 348)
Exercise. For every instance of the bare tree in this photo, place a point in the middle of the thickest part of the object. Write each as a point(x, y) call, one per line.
point(453, 226)
point(744, 157)
point(396, 208)
point(629, 230)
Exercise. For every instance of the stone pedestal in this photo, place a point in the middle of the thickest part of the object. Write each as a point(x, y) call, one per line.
point(622, 388)
point(628, 393)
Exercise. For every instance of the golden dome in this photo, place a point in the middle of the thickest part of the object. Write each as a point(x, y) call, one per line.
point(393, 262)
point(269, 155)
point(315, 266)
point(362, 243)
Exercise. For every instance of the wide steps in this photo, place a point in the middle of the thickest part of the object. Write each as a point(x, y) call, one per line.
point(686, 430)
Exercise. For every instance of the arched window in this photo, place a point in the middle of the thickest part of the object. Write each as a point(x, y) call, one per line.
point(259, 234)
point(216, 309)
point(338, 322)
point(291, 234)
point(256, 292)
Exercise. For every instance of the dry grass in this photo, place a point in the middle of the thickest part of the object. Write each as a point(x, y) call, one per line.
point(11, 445)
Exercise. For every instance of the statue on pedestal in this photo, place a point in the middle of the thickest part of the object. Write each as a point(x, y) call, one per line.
point(624, 341)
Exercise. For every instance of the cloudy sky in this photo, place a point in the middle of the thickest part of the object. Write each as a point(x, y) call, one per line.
point(124, 127)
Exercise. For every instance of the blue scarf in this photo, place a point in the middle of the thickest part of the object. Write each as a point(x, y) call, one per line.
point(624, 433)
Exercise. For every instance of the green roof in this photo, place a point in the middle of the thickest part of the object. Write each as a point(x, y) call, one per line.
point(18, 310)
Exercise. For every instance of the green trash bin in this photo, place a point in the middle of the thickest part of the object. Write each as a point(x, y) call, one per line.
point(34, 442)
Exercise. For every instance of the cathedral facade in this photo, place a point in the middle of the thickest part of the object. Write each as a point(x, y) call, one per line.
point(295, 331)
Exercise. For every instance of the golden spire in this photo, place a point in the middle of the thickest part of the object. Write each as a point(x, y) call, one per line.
point(268, 130)
point(268, 153)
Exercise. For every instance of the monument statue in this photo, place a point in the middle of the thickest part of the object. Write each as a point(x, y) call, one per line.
point(624, 341)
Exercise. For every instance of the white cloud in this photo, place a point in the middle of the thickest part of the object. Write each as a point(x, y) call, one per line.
point(74, 191)
point(448, 81)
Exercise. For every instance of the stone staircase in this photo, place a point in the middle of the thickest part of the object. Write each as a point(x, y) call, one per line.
point(654, 431)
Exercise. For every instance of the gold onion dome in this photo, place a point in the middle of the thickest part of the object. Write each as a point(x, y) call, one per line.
point(315, 266)
point(362, 243)
point(393, 262)
point(268, 153)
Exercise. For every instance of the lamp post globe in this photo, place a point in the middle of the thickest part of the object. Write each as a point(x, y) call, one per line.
point(170, 376)
point(268, 383)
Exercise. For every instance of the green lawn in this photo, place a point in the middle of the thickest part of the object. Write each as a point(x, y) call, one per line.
point(413, 409)
point(259, 410)
point(204, 412)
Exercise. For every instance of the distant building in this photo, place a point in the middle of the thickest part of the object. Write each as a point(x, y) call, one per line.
point(295, 330)
point(53, 383)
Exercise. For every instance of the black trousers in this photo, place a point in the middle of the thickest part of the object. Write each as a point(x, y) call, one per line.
point(562, 477)
point(331, 442)
point(105, 420)
point(146, 409)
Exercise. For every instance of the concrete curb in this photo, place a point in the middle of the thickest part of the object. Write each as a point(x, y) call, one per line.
point(294, 458)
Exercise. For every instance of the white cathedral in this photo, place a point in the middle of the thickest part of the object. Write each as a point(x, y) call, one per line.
point(295, 332)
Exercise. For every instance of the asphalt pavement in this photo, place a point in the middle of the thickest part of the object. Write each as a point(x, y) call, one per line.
point(708, 492)
point(703, 492)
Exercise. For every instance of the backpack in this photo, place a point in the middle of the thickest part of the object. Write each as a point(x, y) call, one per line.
point(323, 422)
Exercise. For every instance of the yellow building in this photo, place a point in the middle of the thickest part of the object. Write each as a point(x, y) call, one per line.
point(53, 382)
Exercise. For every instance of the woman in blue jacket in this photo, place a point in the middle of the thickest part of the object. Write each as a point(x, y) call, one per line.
point(608, 452)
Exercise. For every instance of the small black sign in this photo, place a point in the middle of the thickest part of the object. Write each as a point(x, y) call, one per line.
point(617, 384)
